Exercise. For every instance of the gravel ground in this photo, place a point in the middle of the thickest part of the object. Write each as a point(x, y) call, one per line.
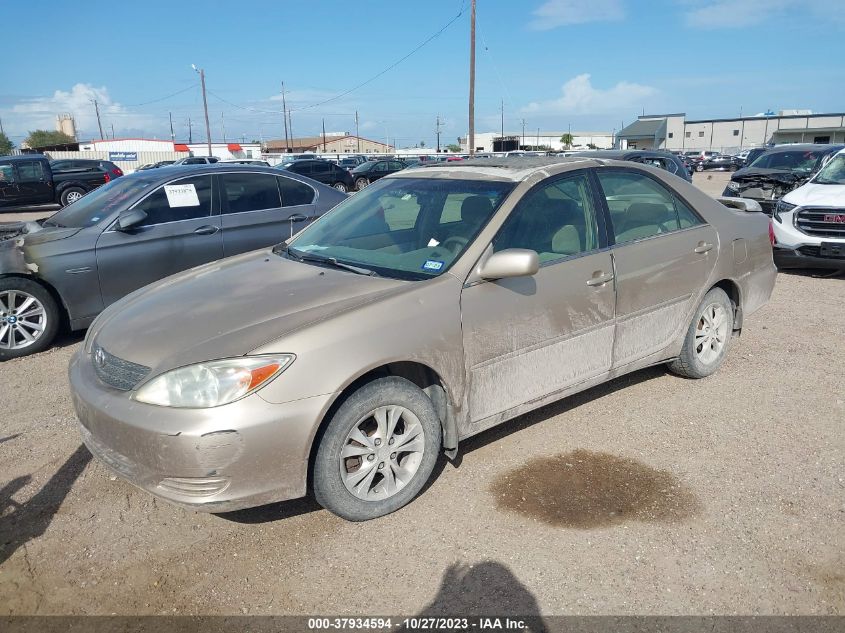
point(648, 495)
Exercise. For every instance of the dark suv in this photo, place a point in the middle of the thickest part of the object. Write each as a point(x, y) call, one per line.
point(664, 160)
point(64, 165)
point(322, 171)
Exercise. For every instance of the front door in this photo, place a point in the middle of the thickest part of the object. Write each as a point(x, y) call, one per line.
point(182, 230)
point(664, 254)
point(34, 184)
point(526, 338)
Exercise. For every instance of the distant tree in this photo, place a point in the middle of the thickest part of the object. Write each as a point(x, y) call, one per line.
point(422, 143)
point(45, 138)
point(453, 148)
point(567, 139)
point(6, 145)
point(591, 146)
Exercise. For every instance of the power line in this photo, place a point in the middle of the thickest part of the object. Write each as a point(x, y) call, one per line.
point(137, 105)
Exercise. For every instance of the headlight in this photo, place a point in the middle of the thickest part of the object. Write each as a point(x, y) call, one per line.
point(782, 207)
point(213, 383)
point(733, 186)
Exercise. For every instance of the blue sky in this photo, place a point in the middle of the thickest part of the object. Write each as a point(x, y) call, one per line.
point(589, 64)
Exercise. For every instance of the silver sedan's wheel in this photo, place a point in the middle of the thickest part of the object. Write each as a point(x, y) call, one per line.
point(382, 453)
point(29, 317)
point(360, 183)
point(340, 187)
point(377, 451)
point(22, 319)
point(708, 337)
point(711, 333)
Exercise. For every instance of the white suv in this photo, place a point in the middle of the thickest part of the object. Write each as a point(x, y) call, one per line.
point(808, 224)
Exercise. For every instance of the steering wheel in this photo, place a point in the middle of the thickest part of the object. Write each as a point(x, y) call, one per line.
point(454, 243)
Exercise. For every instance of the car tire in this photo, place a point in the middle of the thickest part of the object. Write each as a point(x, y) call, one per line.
point(360, 183)
point(337, 484)
point(71, 195)
point(699, 167)
point(27, 309)
point(340, 187)
point(733, 167)
point(708, 337)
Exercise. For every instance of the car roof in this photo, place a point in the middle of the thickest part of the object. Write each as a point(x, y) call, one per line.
point(514, 169)
point(806, 147)
point(182, 171)
point(26, 157)
point(619, 153)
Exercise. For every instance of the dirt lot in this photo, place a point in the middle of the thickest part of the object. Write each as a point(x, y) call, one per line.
point(652, 494)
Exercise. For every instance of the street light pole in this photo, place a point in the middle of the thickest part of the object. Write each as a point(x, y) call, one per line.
point(204, 106)
point(471, 139)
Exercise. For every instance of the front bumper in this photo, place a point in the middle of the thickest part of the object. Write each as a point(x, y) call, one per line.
point(236, 456)
point(767, 204)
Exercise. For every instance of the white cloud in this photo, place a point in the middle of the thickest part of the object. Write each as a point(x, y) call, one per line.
point(578, 96)
point(554, 13)
point(721, 14)
point(40, 112)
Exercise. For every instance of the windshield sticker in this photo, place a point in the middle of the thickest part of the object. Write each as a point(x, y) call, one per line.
point(432, 264)
point(312, 247)
point(182, 195)
point(432, 243)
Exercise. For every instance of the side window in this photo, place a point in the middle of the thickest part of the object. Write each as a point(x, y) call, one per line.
point(556, 220)
point(7, 174)
point(250, 192)
point(185, 199)
point(301, 167)
point(380, 167)
point(322, 169)
point(30, 171)
point(294, 193)
point(395, 165)
point(640, 207)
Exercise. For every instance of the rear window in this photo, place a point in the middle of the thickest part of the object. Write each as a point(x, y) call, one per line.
point(798, 160)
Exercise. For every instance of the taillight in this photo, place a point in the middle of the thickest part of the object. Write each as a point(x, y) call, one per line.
point(117, 171)
point(106, 176)
point(772, 238)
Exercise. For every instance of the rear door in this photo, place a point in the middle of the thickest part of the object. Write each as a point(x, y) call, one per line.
point(182, 230)
point(321, 171)
point(33, 182)
point(261, 209)
point(8, 183)
point(663, 255)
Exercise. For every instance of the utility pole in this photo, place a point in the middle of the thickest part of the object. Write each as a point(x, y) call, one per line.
point(97, 110)
point(538, 138)
point(205, 108)
point(112, 131)
point(503, 120)
point(438, 133)
point(523, 134)
point(290, 127)
point(357, 135)
point(1, 127)
point(172, 134)
point(471, 139)
point(324, 136)
point(190, 131)
point(285, 117)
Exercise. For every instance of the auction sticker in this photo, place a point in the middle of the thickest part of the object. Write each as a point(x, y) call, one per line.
point(182, 195)
point(432, 264)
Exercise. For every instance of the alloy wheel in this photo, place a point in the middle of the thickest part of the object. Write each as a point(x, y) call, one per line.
point(22, 319)
point(711, 333)
point(73, 196)
point(382, 453)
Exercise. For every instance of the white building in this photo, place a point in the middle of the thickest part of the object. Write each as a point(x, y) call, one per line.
point(674, 132)
point(495, 142)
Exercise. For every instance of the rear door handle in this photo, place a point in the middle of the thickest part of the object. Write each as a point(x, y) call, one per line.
point(703, 247)
point(208, 229)
point(599, 278)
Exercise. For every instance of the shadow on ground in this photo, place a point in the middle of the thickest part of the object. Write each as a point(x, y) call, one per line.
point(22, 522)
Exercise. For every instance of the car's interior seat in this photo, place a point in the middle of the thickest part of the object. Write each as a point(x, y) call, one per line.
point(644, 219)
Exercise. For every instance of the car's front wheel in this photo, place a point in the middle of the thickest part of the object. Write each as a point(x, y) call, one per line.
point(29, 317)
point(708, 337)
point(71, 195)
point(378, 450)
point(699, 167)
point(360, 183)
point(340, 187)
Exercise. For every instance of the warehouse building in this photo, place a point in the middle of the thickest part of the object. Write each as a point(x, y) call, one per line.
point(328, 144)
point(674, 132)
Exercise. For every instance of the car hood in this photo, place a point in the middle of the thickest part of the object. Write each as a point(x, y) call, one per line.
point(229, 308)
point(781, 176)
point(34, 233)
point(813, 194)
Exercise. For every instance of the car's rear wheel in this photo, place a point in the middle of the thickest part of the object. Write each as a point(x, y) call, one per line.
point(360, 183)
point(29, 317)
point(708, 338)
point(378, 450)
point(699, 167)
point(340, 187)
point(71, 195)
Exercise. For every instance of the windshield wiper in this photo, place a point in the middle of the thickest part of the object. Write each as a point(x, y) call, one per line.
point(320, 259)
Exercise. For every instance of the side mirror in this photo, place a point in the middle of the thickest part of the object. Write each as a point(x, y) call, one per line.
point(129, 219)
point(511, 262)
point(743, 204)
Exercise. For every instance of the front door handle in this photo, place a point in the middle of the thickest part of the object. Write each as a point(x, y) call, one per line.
point(208, 229)
point(703, 247)
point(599, 278)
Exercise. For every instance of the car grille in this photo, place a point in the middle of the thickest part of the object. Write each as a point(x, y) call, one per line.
point(811, 221)
point(116, 372)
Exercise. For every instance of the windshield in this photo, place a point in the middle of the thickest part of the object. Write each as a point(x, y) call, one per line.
point(802, 161)
point(833, 173)
point(101, 202)
point(407, 228)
